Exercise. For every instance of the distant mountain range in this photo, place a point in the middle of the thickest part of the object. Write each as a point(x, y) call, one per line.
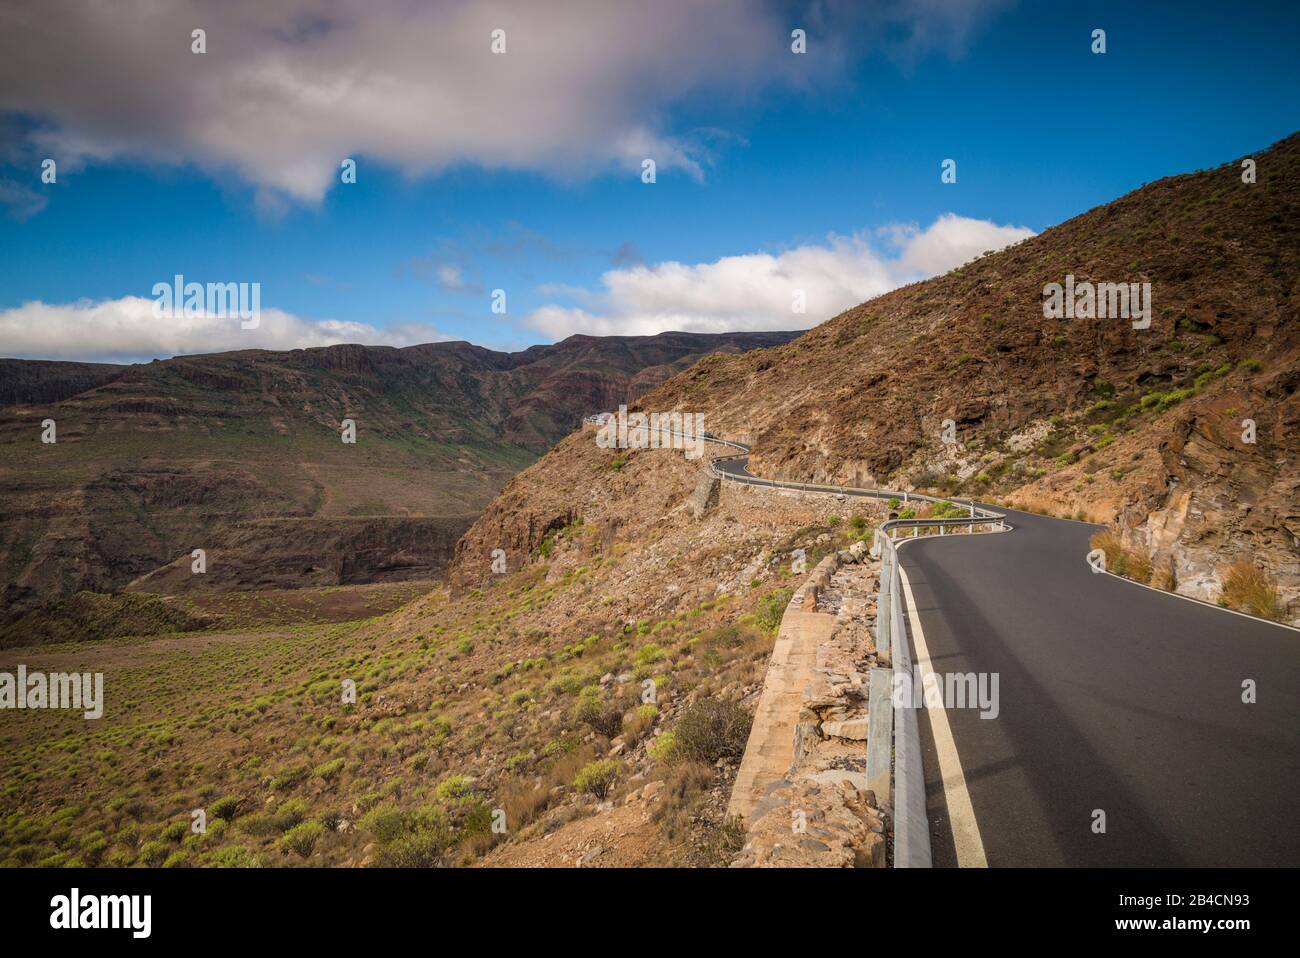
point(241, 454)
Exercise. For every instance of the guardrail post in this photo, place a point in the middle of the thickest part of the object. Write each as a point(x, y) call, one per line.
point(880, 732)
point(883, 619)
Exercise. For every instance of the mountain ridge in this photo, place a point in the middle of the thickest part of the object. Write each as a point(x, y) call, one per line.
point(155, 459)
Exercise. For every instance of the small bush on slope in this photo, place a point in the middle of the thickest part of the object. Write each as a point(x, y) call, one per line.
point(712, 729)
point(1248, 588)
point(598, 777)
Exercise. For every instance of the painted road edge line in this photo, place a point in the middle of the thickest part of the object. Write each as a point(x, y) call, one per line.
point(961, 813)
point(1192, 598)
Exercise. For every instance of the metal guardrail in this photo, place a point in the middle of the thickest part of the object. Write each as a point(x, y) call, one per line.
point(910, 824)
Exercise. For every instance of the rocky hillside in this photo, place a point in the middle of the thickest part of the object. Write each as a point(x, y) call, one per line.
point(1140, 427)
point(598, 691)
point(154, 460)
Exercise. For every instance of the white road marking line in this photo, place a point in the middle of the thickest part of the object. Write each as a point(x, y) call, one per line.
point(1200, 602)
point(961, 814)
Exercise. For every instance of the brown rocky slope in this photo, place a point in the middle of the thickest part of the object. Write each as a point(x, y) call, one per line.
point(1140, 427)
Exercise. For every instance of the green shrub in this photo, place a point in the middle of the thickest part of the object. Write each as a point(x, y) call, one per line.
point(302, 838)
point(93, 849)
point(384, 822)
point(948, 510)
point(208, 838)
point(154, 853)
point(233, 856)
point(452, 788)
point(771, 608)
point(259, 826)
point(329, 770)
point(649, 654)
point(518, 762)
point(663, 748)
point(598, 777)
point(289, 813)
point(1209, 375)
point(1174, 397)
point(291, 775)
point(560, 746)
point(593, 710)
point(174, 831)
point(420, 850)
point(225, 808)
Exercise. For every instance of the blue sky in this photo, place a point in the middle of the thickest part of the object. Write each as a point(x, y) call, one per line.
point(830, 154)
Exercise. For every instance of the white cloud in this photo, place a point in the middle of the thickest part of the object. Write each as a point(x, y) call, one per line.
point(756, 290)
point(126, 330)
point(23, 202)
point(950, 241)
point(287, 90)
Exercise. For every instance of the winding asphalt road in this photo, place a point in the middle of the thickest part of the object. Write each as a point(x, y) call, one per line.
point(1112, 696)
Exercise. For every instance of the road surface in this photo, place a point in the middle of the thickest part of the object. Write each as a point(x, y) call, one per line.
point(1112, 698)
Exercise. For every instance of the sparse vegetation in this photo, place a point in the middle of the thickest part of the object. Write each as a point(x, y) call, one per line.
point(597, 778)
point(771, 608)
point(302, 838)
point(595, 710)
point(712, 729)
point(1248, 588)
point(1130, 563)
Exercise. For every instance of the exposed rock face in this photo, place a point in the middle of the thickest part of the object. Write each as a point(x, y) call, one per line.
point(296, 553)
point(29, 381)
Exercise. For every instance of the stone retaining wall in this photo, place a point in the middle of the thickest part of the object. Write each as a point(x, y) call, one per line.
point(802, 787)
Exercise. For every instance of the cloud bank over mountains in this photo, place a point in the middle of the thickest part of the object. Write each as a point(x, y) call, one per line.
point(126, 330)
point(758, 291)
point(284, 92)
point(753, 291)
